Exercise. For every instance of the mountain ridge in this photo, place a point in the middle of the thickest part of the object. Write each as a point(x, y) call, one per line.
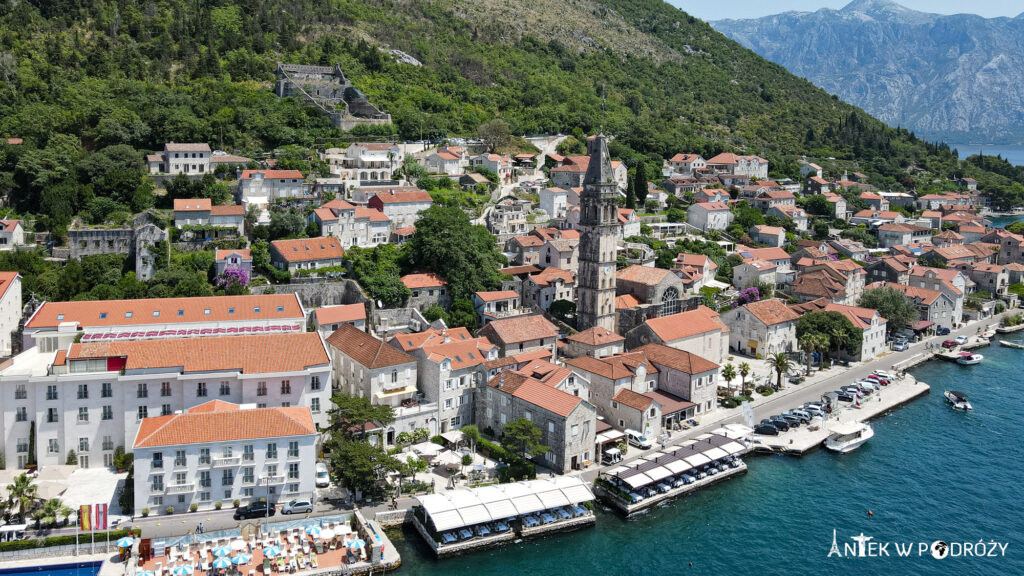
point(950, 77)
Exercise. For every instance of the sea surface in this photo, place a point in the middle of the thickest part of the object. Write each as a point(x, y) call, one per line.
point(1003, 221)
point(930, 473)
point(1012, 154)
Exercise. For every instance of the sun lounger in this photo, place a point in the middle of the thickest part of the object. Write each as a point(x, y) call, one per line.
point(314, 562)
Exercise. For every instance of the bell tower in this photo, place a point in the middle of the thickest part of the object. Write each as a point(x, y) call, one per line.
point(598, 232)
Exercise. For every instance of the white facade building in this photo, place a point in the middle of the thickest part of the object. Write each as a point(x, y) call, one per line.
point(10, 309)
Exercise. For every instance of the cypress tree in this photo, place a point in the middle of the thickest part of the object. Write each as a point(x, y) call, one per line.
point(630, 195)
point(640, 184)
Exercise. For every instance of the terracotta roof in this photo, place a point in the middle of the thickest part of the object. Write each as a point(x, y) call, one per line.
point(613, 367)
point(224, 426)
point(878, 214)
point(893, 227)
point(272, 174)
point(710, 206)
point(229, 159)
point(192, 204)
point(925, 295)
point(214, 406)
point(519, 329)
point(494, 295)
point(762, 253)
point(61, 359)
point(325, 215)
point(563, 244)
point(431, 337)
point(626, 301)
point(695, 260)
point(678, 360)
point(9, 225)
point(461, 354)
point(164, 310)
point(535, 392)
point(376, 146)
point(670, 403)
point(631, 399)
point(227, 210)
point(818, 283)
point(528, 241)
point(337, 314)
point(187, 147)
point(859, 317)
point(367, 350)
point(305, 249)
point(446, 156)
point(518, 270)
point(402, 197)
point(771, 312)
point(625, 214)
point(406, 231)
point(6, 279)
point(770, 230)
point(596, 336)
point(684, 157)
point(246, 254)
point(646, 275)
point(551, 274)
point(424, 280)
point(255, 354)
point(373, 215)
point(15, 141)
point(687, 324)
point(338, 204)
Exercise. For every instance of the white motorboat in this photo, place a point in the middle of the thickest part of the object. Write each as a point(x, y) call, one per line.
point(958, 400)
point(848, 436)
point(969, 359)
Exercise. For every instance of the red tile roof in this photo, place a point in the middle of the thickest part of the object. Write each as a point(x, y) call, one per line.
point(632, 399)
point(596, 336)
point(338, 204)
point(646, 275)
point(273, 174)
point(6, 279)
point(305, 249)
point(687, 324)
point(494, 295)
point(535, 392)
point(192, 204)
point(228, 210)
point(771, 312)
point(400, 197)
point(678, 360)
point(613, 367)
point(373, 215)
point(709, 206)
point(519, 329)
point(461, 354)
point(339, 314)
point(187, 147)
point(552, 274)
point(224, 426)
point(214, 406)
point(367, 350)
point(88, 313)
point(626, 301)
point(255, 354)
point(425, 280)
point(246, 254)
point(431, 337)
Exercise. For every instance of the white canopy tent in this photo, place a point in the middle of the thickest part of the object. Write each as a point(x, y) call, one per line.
point(427, 449)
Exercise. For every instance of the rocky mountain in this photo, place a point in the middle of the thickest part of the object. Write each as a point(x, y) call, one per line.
point(955, 78)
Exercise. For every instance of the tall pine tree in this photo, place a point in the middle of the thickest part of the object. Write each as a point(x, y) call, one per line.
point(630, 195)
point(640, 184)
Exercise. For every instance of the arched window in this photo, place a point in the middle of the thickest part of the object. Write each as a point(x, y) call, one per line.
point(670, 302)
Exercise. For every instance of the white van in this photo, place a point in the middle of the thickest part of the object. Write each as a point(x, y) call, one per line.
point(637, 439)
point(611, 456)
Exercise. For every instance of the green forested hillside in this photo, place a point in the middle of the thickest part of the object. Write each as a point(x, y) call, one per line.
point(78, 76)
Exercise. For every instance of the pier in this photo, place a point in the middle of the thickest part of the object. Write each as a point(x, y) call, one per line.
point(801, 440)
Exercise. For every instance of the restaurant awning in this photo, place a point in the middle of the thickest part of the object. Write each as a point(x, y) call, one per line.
point(527, 504)
point(678, 466)
point(638, 480)
point(716, 453)
point(609, 436)
point(734, 447)
point(922, 325)
point(447, 520)
point(658, 474)
point(697, 460)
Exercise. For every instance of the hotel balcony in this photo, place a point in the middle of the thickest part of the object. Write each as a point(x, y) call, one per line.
point(272, 479)
point(229, 461)
point(180, 489)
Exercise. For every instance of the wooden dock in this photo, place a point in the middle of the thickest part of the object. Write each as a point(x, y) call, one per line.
point(798, 441)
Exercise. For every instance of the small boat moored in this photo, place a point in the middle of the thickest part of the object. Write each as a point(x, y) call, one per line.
point(969, 359)
point(958, 400)
point(848, 436)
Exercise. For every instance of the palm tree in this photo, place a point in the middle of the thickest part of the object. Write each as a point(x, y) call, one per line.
point(781, 364)
point(840, 338)
point(53, 511)
point(811, 343)
point(21, 494)
point(744, 372)
point(729, 372)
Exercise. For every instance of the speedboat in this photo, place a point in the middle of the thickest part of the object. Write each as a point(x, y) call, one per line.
point(969, 359)
point(958, 400)
point(848, 436)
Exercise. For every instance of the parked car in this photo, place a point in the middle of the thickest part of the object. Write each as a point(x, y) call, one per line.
point(961, 340)
point(900, 346)
point(883, 374)
point(637, 439)
point(949, 344)
point(781, 423)
point(942, 331)
point(778, 425)
point(844, 395)
point(323, 479)
point(259, 509)
point(300, 506)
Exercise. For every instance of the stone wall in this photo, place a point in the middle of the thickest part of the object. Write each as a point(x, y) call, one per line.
point(316, 295)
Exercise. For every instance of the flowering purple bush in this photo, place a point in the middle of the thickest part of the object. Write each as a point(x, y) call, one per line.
point(748, 295)
point(233, 276)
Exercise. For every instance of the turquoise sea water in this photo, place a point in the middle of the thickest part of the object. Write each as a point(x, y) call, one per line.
point(1002, 221)
point(1012, 154)
point(930, 473)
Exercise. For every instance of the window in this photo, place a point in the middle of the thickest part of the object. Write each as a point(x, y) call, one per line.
point(227, 477)
point(456, 421)
point(528, 415)
point(200, 389)
point(551, 427)
point(286, 387)
point(181, 312)
point(21, 415)
point(226, 452)
point(247, 453)
point(83, 444)
point(83, 414)
point(143, 391)
point(204, 479)
point(83, 391)
point(204, 455)
point(165, 388)
point(394, 376)
point(293, 449)
point(156, 313)
point(315, 383)
point(248, 477)
point(108, 413)
point(261, 388)
point(448, 404)
point(156, 484)
point(143, 412)
point(225, 389)
point(158, 459)
point(179, 459)
point(20, 393)
point(108, 460)
point(652, 412)
point(294, 487)
point(271, 451)
point(293, 471)
point(106, 390)
point(272, 471)
point(51, 415)
point(575, 429)
point(108, 443)
point(248, 492)
point(51, 392)
point(314, 405)
point(53, 447)
point(165, 410)
point(127, 314)
point(204, 496)
point(227, 494)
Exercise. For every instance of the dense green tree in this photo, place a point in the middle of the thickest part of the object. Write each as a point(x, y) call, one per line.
point(521, 438)
point(360, 464)
point(351, 414)
point(494, 134)
point(286, 224)
point(377, 271)
point(833, 326)
point(21, 496)
point(640, 183)
point(465, 255)
point(462, 314)
point(892, 305)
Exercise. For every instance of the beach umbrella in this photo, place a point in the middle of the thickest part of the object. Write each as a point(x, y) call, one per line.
point(239, 545)
point(271, 551)
point(145, 573)
point(327, 533)
point(125, 542)
point(313, 531)
point(241, 558)
point(221, 563)
point(182, 570)
point(222, 551)
point(356, 544)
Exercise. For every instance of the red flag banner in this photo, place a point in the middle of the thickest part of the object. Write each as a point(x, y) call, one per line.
point(85, 518)
point(101, 517)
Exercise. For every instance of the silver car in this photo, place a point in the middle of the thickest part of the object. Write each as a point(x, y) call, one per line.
point(301, 506)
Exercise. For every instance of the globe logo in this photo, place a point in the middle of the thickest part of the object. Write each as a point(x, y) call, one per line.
point(940, 549)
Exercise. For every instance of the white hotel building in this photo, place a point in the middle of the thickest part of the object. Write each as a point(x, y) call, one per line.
point(133, 361)
point(221, 452)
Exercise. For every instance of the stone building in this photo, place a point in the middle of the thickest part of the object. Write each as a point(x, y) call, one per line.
point(598, 231)
point(327, 89)
point(521, 334)
point(428, 289)
point(135, 242)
